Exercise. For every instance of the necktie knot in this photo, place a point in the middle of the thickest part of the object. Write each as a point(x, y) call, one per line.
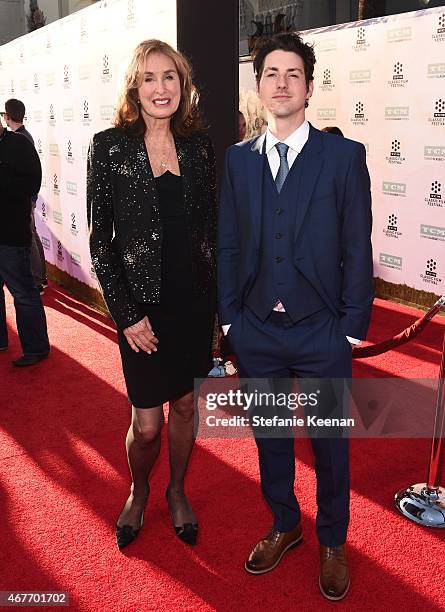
point(282, 149)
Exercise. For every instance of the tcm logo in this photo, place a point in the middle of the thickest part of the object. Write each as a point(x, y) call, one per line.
point(71, 187)
point(390, 261)
point(397, 113)
point(398, 79)
point(73, 225)
point(435, 195)
point(392, 223)
point(395, 156)
point(69, 152)
point(328, 44)
point(57, 216)
point(394, 189)
point(68, 114)
point(436, 71)
point(399, 34)
point(130, 13)
point(106, 72)
point(438, 117)
point(56, 189)
point(106, 112)
point(39, 147)
point(93, 273)
point(86, 116)
point(36, 83)
point(83, 30)
point(439, 34)
point(433, 232)
point(75, 258)
point(360, 76)
point(431, 274)
point(11, 87)
point(44, 213)
point(59, 251)
point(66, 77)
point(327, 84)
point(359, 117)
point(84, 72)
point(391, 230)
point(326, 113)
point(54, 149)
point(360, 41)
point(52, 115)
point(434, 153)
point(46, 243)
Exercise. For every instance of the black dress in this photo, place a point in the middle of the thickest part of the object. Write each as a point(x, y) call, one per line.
point(182, 323)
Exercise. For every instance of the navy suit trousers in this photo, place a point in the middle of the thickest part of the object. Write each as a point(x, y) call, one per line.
point(312, 348)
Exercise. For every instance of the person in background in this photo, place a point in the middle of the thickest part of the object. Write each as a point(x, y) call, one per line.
point(333, 130)
point(14, 115)
point(20, 178)
point(151, 196)
point(242, 126)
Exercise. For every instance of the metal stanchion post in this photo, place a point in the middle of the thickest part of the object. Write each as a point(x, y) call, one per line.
point(424, 503)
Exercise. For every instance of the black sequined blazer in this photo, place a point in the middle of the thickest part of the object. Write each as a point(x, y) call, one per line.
point(125, 224)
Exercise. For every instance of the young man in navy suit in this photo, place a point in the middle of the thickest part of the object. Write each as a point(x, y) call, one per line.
point(295, 286)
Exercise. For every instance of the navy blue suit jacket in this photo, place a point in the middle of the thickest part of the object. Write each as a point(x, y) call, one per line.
point(332, 233)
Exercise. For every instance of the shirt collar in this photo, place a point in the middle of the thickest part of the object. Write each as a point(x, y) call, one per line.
point(294, 141)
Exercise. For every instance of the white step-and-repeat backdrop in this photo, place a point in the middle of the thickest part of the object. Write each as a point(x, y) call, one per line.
point(382, 81)
point(68, 74)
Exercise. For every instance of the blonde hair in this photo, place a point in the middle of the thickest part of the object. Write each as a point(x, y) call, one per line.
point(187, 118)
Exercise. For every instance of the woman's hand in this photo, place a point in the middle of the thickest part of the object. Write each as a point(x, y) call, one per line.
point(141, 336)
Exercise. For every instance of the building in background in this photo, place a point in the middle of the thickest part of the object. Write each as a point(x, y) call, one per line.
point(300, 15)
point(13, 14)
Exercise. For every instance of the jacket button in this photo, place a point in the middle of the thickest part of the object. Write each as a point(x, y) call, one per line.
point(279, 259)
point(279, 235)
point(279, 211)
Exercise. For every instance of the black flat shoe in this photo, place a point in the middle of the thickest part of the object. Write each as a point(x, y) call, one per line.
point(187, 532)
point(126, 534)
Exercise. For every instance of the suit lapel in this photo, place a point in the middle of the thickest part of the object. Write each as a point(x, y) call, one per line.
point(137, 155)
point(255, 172)
point(312, 164)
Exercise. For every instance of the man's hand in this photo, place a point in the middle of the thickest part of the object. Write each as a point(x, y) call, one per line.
point(141, 336)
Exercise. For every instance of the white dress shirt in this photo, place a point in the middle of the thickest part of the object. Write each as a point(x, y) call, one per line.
point(295, 142)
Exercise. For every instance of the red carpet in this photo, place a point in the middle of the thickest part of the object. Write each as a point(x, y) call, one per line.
point(64, 479)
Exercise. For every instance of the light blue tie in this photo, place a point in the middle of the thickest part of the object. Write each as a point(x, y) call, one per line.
point(283, 170)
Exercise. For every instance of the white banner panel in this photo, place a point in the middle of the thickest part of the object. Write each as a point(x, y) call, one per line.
point(382, 82)
point(68, 75)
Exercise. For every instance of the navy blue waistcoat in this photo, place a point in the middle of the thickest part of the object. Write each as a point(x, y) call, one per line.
point(278, 278)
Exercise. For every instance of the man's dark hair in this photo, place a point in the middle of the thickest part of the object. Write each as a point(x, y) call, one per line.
point(15, 109)
point(284, 42)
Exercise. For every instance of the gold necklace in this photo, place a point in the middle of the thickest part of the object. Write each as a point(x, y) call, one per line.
point(160, 153)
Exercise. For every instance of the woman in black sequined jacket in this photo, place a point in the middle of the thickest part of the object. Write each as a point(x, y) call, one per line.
point(151, 199)
point(125, 224)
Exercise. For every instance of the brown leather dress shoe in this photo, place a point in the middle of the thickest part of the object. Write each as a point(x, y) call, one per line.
point(334, 578)
point(268, 552)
